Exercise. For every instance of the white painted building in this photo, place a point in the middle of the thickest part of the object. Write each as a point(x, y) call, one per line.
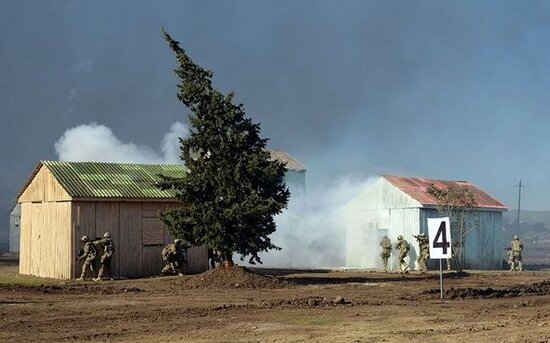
point(396, 206)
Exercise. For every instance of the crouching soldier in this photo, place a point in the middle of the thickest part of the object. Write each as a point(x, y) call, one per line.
point(88, 253)
point(424, 251)
point(173, 256)
point(108, 249)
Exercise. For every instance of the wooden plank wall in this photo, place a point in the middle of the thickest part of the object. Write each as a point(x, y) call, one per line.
point(107, 217)
point(154, 238)
point(133, 226)
point(44, 188)
point(46, 239)
point(26, 248)
point(83, 214)
point(130, 247)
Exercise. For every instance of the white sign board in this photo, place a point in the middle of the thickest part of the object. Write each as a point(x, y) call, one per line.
point(439, 234)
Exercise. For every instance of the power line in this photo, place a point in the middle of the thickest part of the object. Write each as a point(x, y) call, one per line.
point(519, 205)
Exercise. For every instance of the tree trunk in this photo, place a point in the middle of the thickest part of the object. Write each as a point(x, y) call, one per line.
point(228, 261)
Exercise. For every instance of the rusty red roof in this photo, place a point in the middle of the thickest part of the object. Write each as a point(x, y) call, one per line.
point(416, 187)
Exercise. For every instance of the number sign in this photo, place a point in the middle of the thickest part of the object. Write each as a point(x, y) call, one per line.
point(439, 234)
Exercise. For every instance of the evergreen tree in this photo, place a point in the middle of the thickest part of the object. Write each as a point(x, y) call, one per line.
point(233, 189)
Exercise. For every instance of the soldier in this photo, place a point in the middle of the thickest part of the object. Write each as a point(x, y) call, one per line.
point(213, 258)
point(403, 247)
point(174, 257)
point(385, 243)
point(88, 253)
point(510, 258)
point(517, 247)
point(424, 251)
point(108, 249)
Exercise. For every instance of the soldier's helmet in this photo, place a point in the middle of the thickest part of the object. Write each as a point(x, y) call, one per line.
point(516, 237)
point(107, 235)
point(84, 239)
point(423, 234)
point(399, 237)
point(177, 241)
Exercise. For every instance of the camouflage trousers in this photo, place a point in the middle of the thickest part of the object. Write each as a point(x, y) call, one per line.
point(402, 263)
point(515, 261)
point(87, 265)
point(421, 261)
point(105, 268)
point(385, 255)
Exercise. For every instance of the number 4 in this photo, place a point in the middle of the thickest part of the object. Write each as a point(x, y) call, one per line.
point(444, 244)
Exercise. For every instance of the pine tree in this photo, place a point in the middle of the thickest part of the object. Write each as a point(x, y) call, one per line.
point(233, 189)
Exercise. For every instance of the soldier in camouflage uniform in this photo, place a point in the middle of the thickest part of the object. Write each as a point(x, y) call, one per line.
point(385, 243)
point(173, 256)
point(88, 253)
point(403, 247)
point(108, 249)
point(424, 251)
point(516, 246)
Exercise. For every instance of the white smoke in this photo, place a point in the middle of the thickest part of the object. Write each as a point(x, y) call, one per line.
point(312, 231)
point(97, 143)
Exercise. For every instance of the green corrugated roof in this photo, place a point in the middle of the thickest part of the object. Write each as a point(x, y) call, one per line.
point(113, 180)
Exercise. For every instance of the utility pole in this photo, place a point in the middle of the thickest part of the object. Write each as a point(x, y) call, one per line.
point(519, 205)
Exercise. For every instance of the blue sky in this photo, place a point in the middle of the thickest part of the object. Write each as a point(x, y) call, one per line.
point(441, 89)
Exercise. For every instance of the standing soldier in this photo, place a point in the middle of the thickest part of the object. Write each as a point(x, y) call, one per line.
point(88, 253)
point(424, 251)
point(108, 249)
point(516, 247)
point(385, 243)
point(403, 247)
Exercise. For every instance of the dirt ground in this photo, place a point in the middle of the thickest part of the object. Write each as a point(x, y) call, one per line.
point(297, 306)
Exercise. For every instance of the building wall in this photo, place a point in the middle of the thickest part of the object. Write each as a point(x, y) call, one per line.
point(15, 228)
point(44, 188)
point(45, 239)
point(483, 247)
point(381, 210)
point(138, 236)
point(295, 180)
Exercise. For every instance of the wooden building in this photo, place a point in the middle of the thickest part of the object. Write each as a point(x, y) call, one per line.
point(295, 176)
point(63, 201)
point(15, 221)
point(396, 205)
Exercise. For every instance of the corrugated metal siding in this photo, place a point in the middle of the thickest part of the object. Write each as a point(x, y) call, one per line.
point(384, 206)
point(381, 209)
point(113, 180)
point(483, 246)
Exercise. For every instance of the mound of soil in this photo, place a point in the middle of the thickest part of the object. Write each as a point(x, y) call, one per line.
point(539, 288)
point(236, 277)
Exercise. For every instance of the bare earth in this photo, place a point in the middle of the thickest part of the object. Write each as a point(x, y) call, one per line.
point(376, 307)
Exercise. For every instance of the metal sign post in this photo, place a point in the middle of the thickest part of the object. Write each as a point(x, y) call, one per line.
point(441, 278)
point(439, 235)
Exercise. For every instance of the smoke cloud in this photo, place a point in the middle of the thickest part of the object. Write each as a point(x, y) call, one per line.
point(96, 142)
point(312, 231)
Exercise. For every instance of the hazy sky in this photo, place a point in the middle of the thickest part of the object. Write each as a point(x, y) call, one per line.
point(441, 89)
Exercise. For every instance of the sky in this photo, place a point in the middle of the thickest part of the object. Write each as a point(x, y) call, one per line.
point(353, 89)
